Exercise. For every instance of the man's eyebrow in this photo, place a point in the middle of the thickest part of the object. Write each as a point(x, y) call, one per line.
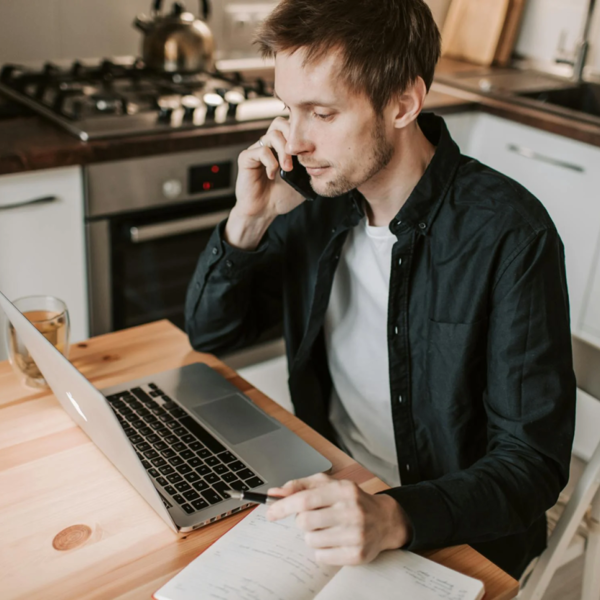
point(308, 102)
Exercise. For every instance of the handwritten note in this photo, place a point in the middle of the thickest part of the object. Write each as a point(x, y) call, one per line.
point(263, 560)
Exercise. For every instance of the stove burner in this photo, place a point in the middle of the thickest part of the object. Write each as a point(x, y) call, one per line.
point(83, 95)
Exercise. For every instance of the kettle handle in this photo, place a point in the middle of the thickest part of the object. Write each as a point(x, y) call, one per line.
point(205, 9)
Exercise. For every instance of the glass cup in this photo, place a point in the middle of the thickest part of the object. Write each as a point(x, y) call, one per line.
point(51, 317)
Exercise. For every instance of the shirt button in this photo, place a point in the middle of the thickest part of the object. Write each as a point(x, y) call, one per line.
point(333, 230)
point(422, 225)
point(408, 467)
point(400, 399)
point(399, 261)
point(398, 222)
point(215, 251)
point(396, 330)
point(336, 257)
point(229, 264)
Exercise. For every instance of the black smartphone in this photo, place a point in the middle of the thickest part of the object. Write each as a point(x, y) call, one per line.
point(299, 179)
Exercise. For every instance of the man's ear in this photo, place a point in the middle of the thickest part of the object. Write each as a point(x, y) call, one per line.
point(410, 103)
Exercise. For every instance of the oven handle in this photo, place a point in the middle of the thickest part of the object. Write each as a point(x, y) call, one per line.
point(137, 235)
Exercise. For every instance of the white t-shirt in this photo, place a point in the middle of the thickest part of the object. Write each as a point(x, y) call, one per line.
point(357, 350)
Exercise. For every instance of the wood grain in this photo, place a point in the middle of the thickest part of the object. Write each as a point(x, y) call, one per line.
point(71, 527)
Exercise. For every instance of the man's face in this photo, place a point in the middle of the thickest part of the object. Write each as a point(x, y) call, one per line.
point(334, 132)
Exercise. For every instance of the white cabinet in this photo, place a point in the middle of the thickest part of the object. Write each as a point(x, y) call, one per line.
point(563, 174)
point(42, 250)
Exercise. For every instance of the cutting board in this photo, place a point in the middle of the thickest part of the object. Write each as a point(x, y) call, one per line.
point(473, 28)
point(509, 33)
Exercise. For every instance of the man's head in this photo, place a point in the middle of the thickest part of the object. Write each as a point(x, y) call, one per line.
point(349, 71)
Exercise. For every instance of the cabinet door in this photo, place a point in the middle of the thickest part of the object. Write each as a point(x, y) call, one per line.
point(563, 174)
point(42, 249)
point(591, 312)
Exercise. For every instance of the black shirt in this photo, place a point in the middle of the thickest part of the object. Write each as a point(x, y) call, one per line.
point(481, 379)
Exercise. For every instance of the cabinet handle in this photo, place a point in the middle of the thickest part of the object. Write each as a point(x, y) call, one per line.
point(529, 153)
point(147, 233)
point(43, 200)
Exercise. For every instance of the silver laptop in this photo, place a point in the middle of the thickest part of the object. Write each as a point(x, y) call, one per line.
point(181, 437)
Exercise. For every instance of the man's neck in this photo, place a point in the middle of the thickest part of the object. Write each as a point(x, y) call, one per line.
point(387, 191)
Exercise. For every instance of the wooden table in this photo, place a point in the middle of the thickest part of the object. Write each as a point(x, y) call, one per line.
point(71, 527)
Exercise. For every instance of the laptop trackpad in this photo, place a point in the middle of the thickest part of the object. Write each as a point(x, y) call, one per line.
point(235, 419)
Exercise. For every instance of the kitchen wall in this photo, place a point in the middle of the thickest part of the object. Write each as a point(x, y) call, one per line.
point(38, 30)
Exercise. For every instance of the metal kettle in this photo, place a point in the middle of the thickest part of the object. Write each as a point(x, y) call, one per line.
point(176, 42)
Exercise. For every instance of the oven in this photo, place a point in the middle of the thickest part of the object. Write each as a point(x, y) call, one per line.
point(147, 221)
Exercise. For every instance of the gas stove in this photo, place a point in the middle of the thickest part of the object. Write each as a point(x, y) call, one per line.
point(113, 98)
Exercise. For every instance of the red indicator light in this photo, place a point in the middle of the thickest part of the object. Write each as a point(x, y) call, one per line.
point(206, 185)
point(214, 169)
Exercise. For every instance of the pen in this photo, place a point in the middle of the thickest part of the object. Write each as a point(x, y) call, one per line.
point(253, 497)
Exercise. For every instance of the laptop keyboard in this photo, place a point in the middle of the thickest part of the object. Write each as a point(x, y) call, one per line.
point(181, 456)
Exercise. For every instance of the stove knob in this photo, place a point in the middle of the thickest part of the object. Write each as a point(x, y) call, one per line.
point(165, 113)
point(190, 104)
point(172, 188)
point(234, 99)
point(212, 101)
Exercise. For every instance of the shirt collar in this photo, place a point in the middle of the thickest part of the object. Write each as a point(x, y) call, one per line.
point(423, 204)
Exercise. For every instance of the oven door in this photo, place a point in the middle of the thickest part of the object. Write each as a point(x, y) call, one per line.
point(141, 263)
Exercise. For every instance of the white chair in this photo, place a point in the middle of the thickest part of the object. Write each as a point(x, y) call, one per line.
point(577, 531)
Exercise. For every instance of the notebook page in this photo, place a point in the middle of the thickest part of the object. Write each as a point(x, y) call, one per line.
point(256, 559)
point(402, 575)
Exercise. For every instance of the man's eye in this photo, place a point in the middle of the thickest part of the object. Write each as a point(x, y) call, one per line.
point(322, 116)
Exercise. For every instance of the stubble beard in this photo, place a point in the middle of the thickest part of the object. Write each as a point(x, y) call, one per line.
point(382, 154)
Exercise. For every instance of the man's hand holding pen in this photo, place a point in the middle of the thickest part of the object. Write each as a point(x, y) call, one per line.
point(344, 524)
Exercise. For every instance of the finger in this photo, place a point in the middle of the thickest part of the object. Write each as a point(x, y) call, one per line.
point(319, 519)
point(258, 158)
point(305, 500)
point(277, 141)
point(333, 537)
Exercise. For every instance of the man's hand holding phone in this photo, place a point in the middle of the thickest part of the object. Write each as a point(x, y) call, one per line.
point(261, 194)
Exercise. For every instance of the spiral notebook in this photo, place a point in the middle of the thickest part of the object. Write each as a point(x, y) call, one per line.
point(263, 559)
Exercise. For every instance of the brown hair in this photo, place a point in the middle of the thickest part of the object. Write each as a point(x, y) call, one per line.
point(385, 44)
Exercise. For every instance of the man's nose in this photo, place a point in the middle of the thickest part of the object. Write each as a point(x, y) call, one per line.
point(297, 143)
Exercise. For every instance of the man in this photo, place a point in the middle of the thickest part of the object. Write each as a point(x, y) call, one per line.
point(422, 294)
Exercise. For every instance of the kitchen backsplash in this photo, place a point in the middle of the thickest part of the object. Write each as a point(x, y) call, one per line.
point(38, 30)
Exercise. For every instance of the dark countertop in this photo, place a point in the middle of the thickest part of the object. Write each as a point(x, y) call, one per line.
point(30, 142)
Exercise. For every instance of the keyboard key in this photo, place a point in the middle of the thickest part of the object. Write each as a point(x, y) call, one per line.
point(136, 439)
point(153, 439)
point(187, 454)
point(240, 486)
point(172, 425)
point(200, 485)
point(162, 481)
point(245, 474)
point(181, 431)
point(254, 482)
point(140, 394)
point(188, 509)
point(144, 430)
point(222, 488)
point(206, 438)
point(153, 386)
point(153, 472)
point(211, 496)
point(195, 462)
point(171, 439)
point(163, 432)
point(179, 446)
point(199, 504)
point(174, 478)
point(196, 446)
point(143, 446)
point(154, 394)
point(160, 445)
point(179, 499)
point(229, 477)
point(211, 478)
point(160, 392)
point(146, 464)
point(183, 486)
point(188, 438)
point(203, 470)
point(167, 470)
point(151, 454)
point(156, 426)
point(227, 457)
point(183, 469)
point(191, 495)
point(168, 453)
point(165, 417)
point(191, 477)
point(170, 490)
point(220, 469)
point(236, 466)
point(204, 453)
point(176, 461)
point(159, 462)
point(150, 419)
point(178, 413)
point(211, 461)
point(130, 432)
